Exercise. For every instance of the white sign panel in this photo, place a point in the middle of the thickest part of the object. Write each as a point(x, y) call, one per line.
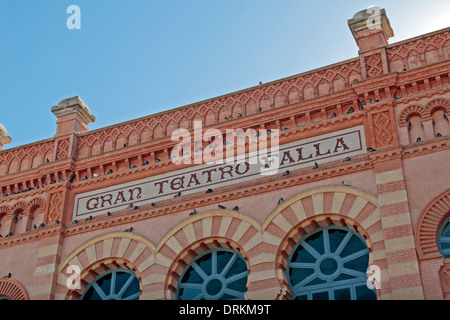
point(300, 154)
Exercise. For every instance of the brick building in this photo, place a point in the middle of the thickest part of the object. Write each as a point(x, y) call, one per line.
point(363, 182)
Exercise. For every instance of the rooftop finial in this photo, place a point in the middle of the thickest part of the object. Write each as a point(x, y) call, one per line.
point(4, 138)
point(371, 28)
point(73, 116)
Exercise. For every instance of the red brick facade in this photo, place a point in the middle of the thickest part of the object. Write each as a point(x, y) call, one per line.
point(398, 195)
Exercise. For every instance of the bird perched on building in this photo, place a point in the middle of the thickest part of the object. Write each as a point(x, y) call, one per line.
point(408, 122)
point(132, 166)
point(108, 214)
point(194, 212)
point(157, 160)
point(371, 149)
point(344, 183)
point(221, 207)
point(145, 163)
point(109, 172)
point(280, 201)
point(129, 229)
point(9, 234)
point(284, 128)
point(34, 227)
point(239, 115)
point(286, 173)
point(347, 159)
point(177, 195)
point(236, 208)
point(418, 139)
point(7, 276)
point(334, 115)
point(75, 221)
point(209, 191)
point(439, 135)
point(259, 109)
point(88, 218)
point(316, 165)
point(351, 110)
point(42, 225)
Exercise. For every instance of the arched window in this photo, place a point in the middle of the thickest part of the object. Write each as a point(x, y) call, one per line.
point(218, 274)
point(117, 284)
point(444, 239)
point(330, 264)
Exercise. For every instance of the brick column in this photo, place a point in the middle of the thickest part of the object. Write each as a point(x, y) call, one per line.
point(403, 267)
point(48, 259)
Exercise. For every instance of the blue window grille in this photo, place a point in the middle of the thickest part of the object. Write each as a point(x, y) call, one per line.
point(444, 239)
point(330, 264)
point(118, 284)
point(217, 274)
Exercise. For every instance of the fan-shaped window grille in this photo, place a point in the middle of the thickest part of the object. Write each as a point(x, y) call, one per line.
point(444, 239)
point(218, 274)
point(330, 264)
point(117, 284)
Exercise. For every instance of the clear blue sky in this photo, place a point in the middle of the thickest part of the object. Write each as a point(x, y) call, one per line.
point(139, 57)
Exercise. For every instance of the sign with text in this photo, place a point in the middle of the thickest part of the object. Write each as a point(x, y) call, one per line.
point(300, 154)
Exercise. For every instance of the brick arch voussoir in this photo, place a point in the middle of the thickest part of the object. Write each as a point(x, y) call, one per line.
point(428, 225)
point(318, 207)
point(189, 253)
point(36, 205)
point(410, 110)
point(12, 289)
point(203, 231)
point(437, 104)
point(105, 252)
point(4, 210)
point(342, 200)
point(20, 206)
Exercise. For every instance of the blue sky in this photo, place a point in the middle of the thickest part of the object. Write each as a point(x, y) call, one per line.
point(139, 57)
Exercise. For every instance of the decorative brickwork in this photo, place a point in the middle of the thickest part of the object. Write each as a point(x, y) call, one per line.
point(63, 149)
point(444, 274)
point(419, 52)
point(25, 158)
point(374, 65)
point(108, 251)
point(12, 289)
point(383, 132)
point(429, 223)
point(55, 207)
